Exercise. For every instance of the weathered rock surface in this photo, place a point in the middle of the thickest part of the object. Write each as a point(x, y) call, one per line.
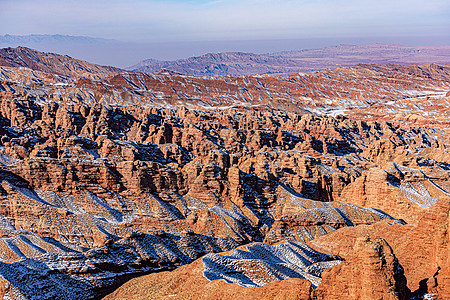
point(260, 264)
point(422, 249)
point(187, 282)
point(371, 269)
point(100, 183)
point(372, 272)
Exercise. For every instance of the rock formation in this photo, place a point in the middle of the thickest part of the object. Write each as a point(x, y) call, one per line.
point(422, 249)
point(114, 175)
point(372, 272)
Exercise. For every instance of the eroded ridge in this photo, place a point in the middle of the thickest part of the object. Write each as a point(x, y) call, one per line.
point(108, 177)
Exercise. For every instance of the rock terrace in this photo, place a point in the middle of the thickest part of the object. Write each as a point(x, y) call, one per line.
point(117, 174)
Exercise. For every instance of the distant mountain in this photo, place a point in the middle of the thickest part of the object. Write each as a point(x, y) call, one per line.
point(306, 61)
point(95, 50)
point(53, 63)
point(227, 63)
point(33, 39)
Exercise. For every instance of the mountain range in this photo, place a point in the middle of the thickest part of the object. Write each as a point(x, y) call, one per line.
point(152, 56)
point(305, 61)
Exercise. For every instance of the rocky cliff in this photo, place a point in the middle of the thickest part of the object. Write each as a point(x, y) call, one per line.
point(107, 177)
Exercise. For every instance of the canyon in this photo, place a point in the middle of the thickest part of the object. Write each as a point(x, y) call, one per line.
point(328, 185)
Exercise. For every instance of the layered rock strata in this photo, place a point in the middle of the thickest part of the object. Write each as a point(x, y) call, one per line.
point(110, 176)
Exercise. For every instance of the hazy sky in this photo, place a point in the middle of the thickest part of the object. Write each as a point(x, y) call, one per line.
point(174, 29)
point(204, 20)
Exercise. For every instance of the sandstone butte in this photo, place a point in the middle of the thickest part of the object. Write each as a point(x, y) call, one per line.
point(128, 185)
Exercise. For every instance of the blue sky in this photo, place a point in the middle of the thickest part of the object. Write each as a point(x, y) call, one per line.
point(203, 20)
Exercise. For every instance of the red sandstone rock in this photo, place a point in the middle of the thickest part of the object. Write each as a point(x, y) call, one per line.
point(98, 182)
point(421, 249)
point(372, 272)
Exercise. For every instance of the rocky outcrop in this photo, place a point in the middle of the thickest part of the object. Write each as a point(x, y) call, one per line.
point(421, 249)
point(401, 191)
point(372, 272)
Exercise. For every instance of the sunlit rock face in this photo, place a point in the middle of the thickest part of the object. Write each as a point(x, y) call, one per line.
point(115, 174)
